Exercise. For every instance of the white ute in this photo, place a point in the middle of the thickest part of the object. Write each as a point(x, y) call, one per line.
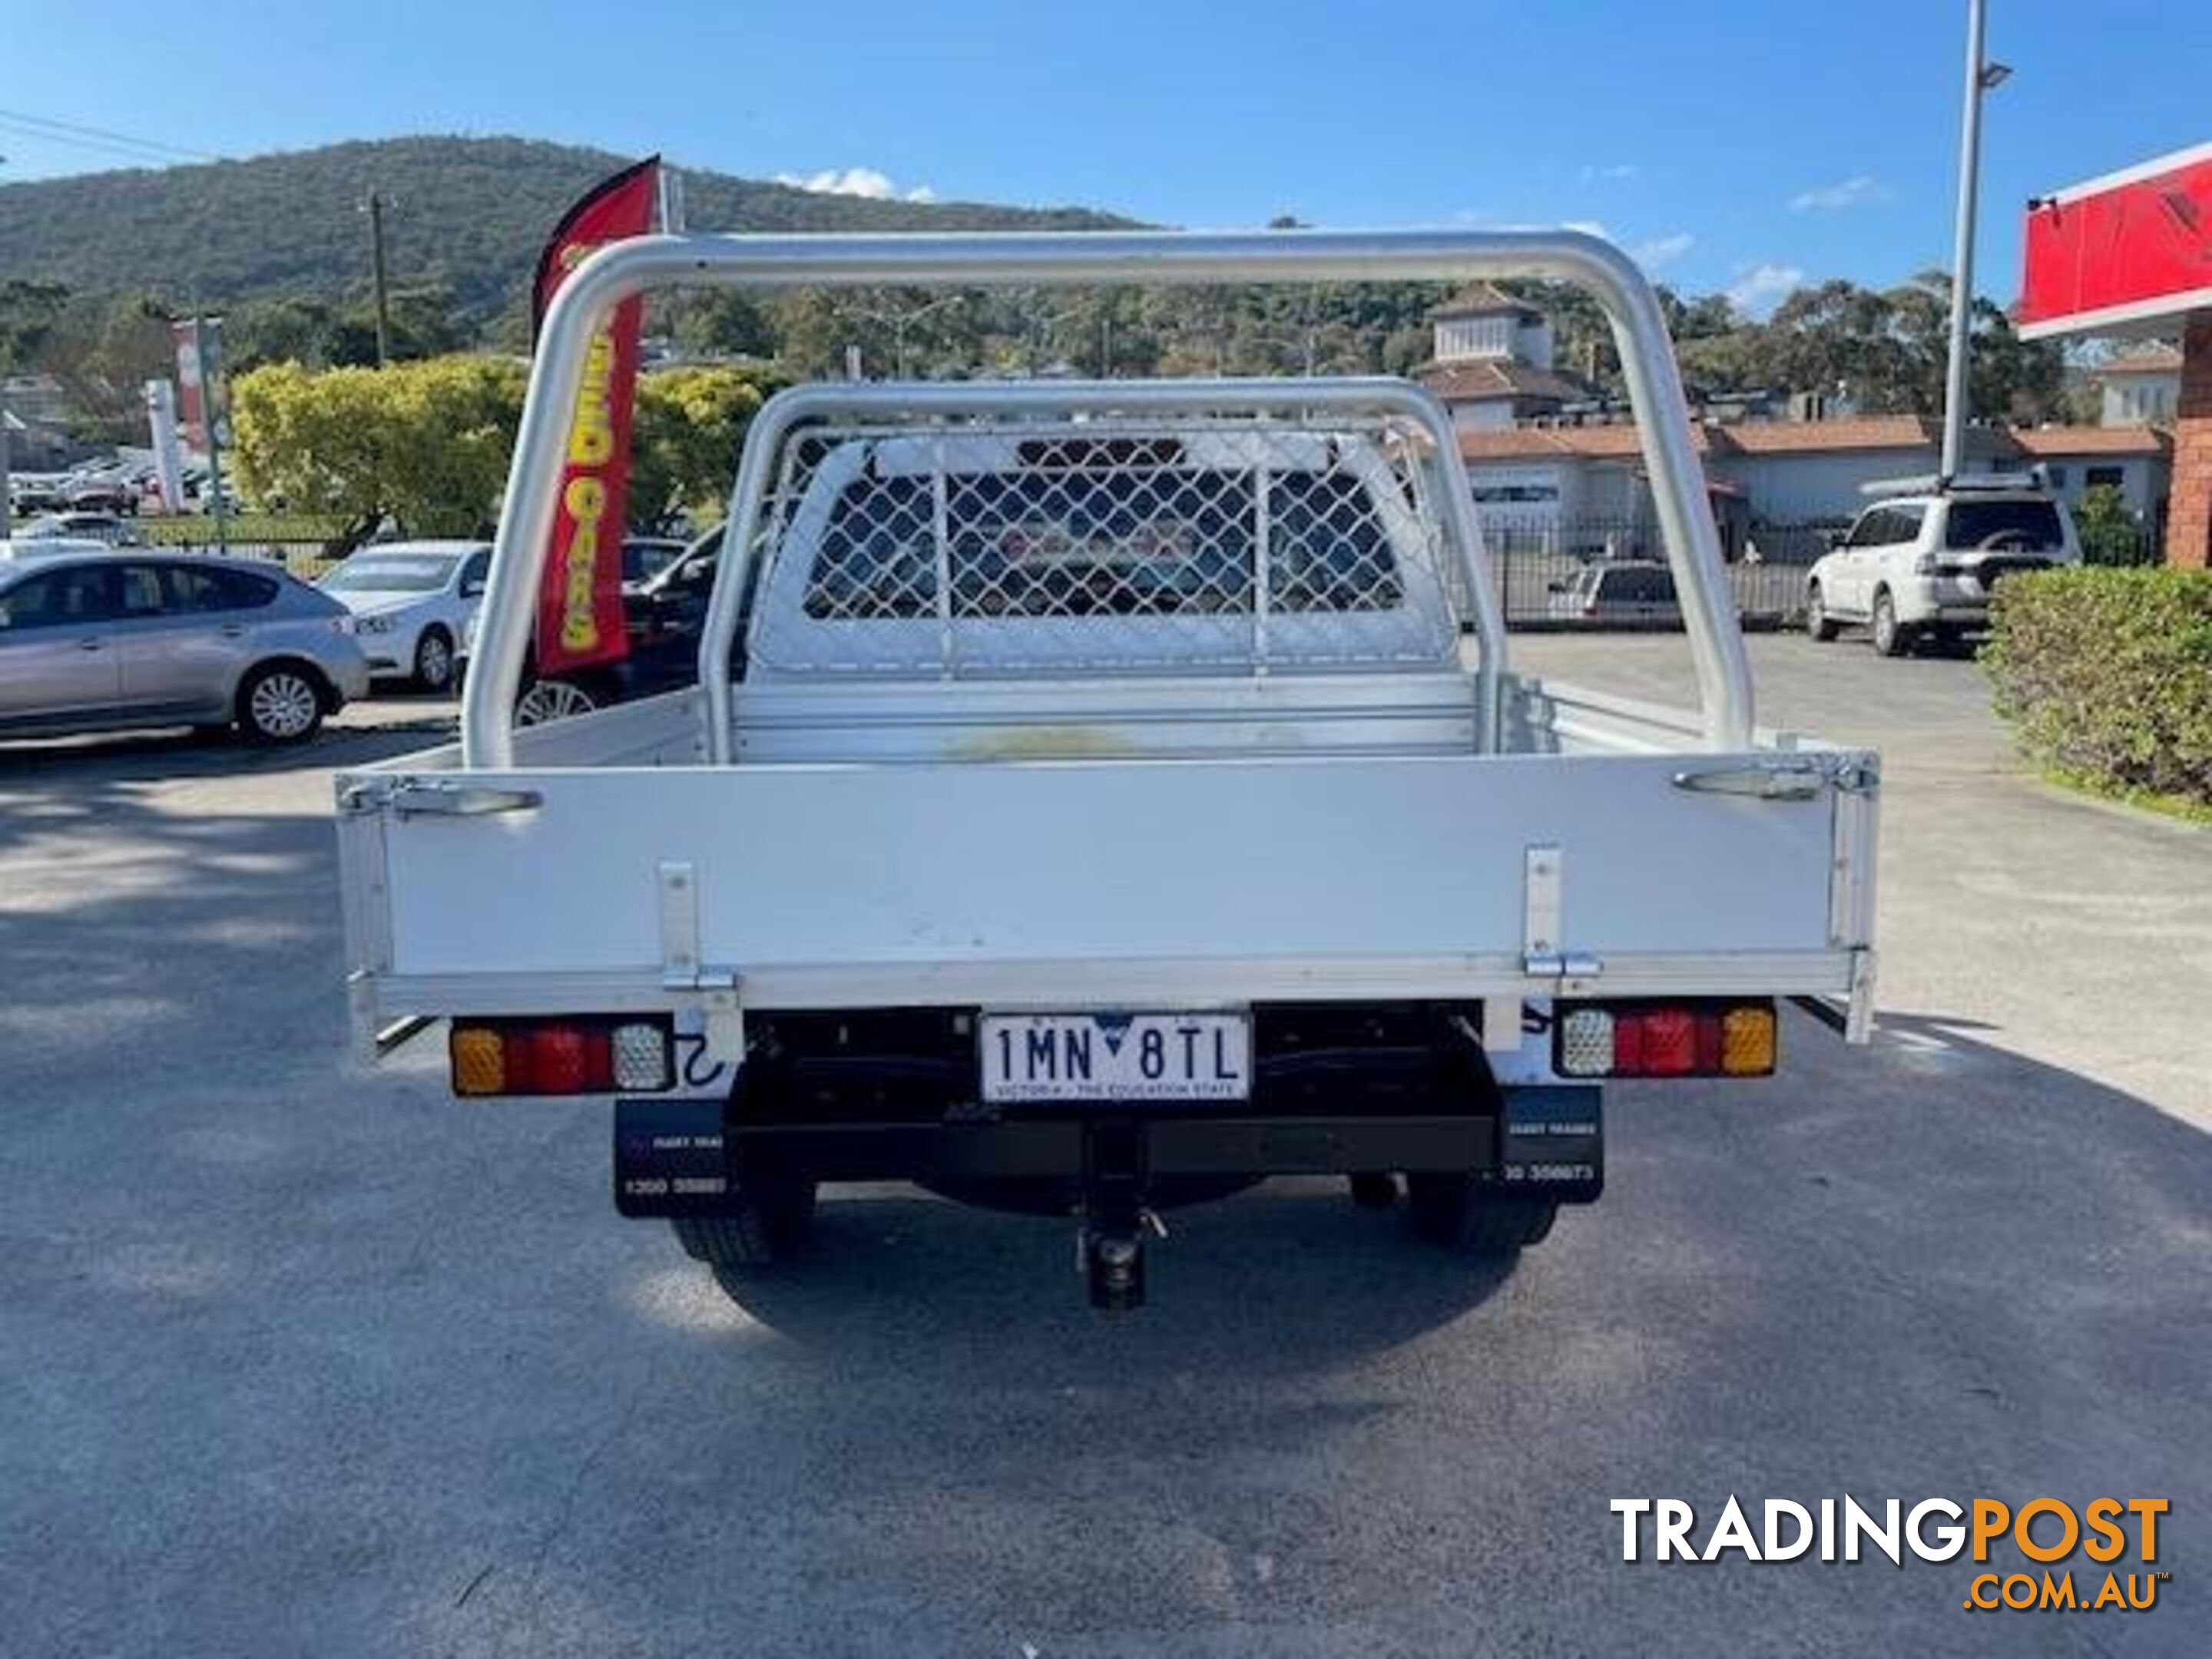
point(1098, 797)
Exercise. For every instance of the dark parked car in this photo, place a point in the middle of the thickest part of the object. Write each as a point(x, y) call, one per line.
point(665, 614)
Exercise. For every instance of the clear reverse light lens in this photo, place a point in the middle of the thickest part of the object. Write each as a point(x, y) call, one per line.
point(1586, 1043)
point(641, 1055)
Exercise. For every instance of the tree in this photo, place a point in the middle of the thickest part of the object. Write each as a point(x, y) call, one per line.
point(423, 324)
point(28, 314)
point(426, 444)
point(723, 323)
point(2109, 532)
point(296, 329)
point(690, 426)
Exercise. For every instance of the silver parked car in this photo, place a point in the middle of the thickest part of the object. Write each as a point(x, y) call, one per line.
point(118, 640)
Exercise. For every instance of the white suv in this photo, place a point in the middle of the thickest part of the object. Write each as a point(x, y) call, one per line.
point(1923, 565)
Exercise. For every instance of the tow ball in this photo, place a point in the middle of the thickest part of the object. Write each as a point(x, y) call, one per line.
point(1112, 1262)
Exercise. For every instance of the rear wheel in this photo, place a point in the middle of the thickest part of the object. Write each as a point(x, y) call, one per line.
point(552, 699)
point(1458, 1213)
point(280, 703)
point(1817, 622)
point(766, 1222)
point(1891, 637)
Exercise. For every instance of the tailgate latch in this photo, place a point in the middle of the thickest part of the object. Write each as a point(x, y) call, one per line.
point(446, 798)
point(1797, 777)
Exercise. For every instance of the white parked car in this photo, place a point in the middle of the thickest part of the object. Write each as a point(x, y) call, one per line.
point(1924, 566)
point(413, 603)
point(103, 527)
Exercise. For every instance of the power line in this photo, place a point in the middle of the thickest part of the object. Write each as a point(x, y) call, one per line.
point(92, 147)
point(91, 138)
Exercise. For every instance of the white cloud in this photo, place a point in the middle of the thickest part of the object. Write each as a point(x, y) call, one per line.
point(1588, 227)
point(855, 181)
point(1760, 286)
point(1656, 251)
point(1620, 172)
point(1857, 191)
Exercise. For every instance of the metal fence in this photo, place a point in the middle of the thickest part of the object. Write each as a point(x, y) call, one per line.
point(1542, 564)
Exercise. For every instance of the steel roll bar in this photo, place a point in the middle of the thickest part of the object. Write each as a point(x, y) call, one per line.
point(1066, 258)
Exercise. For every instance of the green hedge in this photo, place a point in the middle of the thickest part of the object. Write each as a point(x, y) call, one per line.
point(2108, 674)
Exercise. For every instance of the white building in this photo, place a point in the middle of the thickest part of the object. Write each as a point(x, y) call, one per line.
point(2141, 387)
point(1492, 362)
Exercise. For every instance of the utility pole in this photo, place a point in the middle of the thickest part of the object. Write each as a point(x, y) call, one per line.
point(383, 288)
point(1981, 75)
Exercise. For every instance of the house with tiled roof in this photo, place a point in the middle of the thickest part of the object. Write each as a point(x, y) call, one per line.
point(1492, 362)
point(1579, 482)
point(1549, 460)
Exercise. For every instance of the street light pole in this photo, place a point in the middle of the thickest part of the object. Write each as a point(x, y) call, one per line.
point(1981, 75)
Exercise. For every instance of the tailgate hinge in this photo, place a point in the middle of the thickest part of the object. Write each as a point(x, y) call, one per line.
point(680, 967)
point(1542, 956)
point(1791, 777)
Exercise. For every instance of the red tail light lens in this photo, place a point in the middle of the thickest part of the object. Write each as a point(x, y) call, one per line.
point(1669, 1045)
point(1706, 1038)
point(580, 1054)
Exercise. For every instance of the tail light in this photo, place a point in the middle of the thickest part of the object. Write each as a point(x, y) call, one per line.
point(574, 1054)
point(1665, 1039)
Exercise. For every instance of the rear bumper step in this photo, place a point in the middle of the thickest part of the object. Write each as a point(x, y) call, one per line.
point(680, 1157)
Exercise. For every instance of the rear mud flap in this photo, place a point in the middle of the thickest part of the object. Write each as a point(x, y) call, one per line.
point(669, 1158)
point(1551, 1143)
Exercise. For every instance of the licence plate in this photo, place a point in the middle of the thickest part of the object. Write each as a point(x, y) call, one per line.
point(1042, 1057)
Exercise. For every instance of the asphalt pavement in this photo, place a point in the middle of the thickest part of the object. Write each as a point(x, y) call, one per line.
point(300, 1358)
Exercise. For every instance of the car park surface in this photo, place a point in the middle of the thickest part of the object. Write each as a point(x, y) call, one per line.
point(304, 1359)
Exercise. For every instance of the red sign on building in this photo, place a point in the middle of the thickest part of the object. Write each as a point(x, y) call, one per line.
point(2125, 252)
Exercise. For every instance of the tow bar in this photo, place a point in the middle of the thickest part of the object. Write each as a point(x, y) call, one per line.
point(1110, 1248)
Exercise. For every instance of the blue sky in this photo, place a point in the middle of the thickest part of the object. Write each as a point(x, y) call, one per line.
point(1742, 146)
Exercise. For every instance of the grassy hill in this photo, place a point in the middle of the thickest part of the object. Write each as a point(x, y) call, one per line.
point(468, 214)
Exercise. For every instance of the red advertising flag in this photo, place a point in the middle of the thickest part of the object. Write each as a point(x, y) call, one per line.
point(580, 611)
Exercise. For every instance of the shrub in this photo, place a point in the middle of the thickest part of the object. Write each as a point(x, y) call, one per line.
point(2108, 674)
point(2109, 532)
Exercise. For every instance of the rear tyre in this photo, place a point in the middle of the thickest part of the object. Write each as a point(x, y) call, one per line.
point(1892, 638)
point(433, 661)
point(1456, 1212)
point(547, 701)
point(1817, 622)
point(766, 1222)
point(280, 703)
